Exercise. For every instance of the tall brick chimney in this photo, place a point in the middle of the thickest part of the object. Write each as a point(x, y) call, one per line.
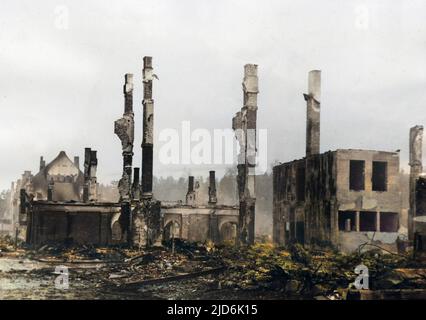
point(190, 183)
point(313, 103)
point(212, 188)
point(148, 128)
point(190, 195)
point(77, 161)
point(42, 163)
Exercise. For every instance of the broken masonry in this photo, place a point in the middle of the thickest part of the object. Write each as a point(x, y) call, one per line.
point(244, 125)
point(124, 128)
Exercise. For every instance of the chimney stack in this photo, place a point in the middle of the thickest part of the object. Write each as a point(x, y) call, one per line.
point(90, 181)
point(136, 185)
point(42, 163)
point(128, 93)
point(148, 128)
point(77, 161)
point(190, 195)
point(313, 102)
point(190, 184)
point(124, 128)
point(87, 152)
point(212, 188)
point(245, 124)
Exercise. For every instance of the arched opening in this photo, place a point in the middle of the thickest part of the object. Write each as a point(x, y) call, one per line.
point(228, 232)
point(171, 230)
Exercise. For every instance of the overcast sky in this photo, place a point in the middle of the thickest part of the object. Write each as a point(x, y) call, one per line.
point(62, 66)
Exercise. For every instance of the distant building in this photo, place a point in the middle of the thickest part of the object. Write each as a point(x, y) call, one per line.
point(62, 177)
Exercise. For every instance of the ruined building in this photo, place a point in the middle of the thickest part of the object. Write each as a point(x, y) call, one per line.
point(60, 204)
point(145, 220)
point(63, 205)
point(59, 180)
point(10, 221)
point(198, 221)
point(342, 198)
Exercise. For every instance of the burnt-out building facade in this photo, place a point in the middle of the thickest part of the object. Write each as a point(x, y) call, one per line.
point(58, 180)
point(62, 206)
point(72, 223)
point(342, 198)
point(196, 221)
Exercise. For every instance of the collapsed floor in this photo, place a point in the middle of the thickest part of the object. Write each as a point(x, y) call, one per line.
point(203, 271)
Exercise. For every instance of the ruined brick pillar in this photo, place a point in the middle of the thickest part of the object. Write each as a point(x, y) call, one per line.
point(237, 126)
point(416, 168)
point(90, 187)
point(190, 194)
point(148, 221)
point(93, 186)
point(42, 163)
point(77, 161)
point(212, 188)
point(86, 174)
point(244, 125)
point(313, 102)
point(124, 129)
point(190, 184)
point(136, 185)
point(148, 128)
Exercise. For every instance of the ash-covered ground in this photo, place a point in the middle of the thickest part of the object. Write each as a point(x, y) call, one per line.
point(202, 271)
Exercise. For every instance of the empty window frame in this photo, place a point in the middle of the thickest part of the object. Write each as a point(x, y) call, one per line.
point(389, 222)
point(356, 175)
point(345, 216)
point(367, 221)
point(380, 175)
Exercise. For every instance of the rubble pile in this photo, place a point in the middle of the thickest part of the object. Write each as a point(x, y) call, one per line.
point(184, 270)
point(6, 244)
point(159, 265)
point(299, 272)
point(83, 253)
